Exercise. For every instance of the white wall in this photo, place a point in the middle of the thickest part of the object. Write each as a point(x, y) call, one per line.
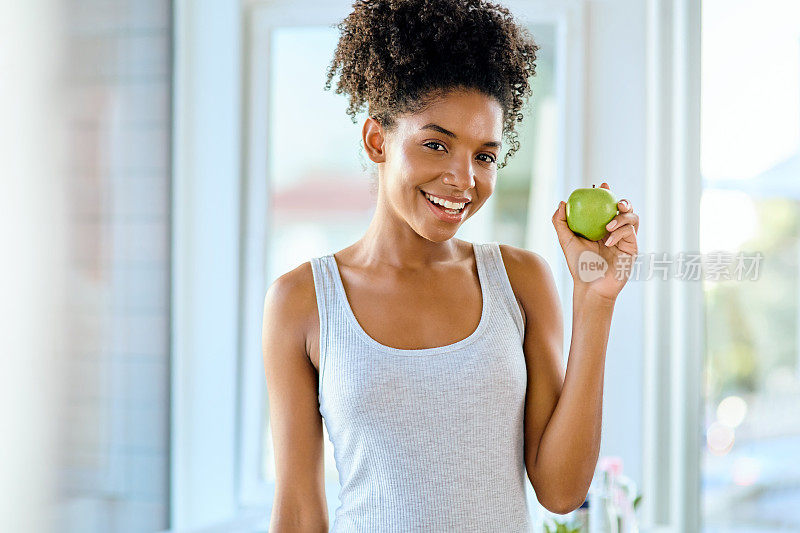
point(32, 228)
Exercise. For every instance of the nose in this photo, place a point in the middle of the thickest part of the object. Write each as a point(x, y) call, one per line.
point(460, 176)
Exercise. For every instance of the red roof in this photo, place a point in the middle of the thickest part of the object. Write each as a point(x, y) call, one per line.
point(325, 193)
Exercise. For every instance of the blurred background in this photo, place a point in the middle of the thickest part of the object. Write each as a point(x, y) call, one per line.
point(163, 162)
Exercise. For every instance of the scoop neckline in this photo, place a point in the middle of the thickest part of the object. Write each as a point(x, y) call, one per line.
point(351, 317)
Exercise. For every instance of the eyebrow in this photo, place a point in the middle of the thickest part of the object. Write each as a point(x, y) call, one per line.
point(436, 127)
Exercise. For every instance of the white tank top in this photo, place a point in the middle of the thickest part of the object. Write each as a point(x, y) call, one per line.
point(426, 440)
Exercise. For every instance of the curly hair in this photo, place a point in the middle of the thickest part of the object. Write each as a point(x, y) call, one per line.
point(398, 56)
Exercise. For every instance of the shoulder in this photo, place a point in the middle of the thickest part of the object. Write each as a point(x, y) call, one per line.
point(524, 267)
point(291, 300)
point(530, 276)
point(521, 260)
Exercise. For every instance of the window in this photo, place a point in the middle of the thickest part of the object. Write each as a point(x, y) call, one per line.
point(304, 203)
point(750, 162)
point(114, 415)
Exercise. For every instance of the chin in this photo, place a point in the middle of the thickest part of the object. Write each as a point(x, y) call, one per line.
point(437, 236)
point(442, 239)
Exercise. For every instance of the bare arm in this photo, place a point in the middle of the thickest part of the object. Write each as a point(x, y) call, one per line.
point(563, 413)
point(299, 505)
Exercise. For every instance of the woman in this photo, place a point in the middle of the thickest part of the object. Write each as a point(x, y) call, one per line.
point(435, 362)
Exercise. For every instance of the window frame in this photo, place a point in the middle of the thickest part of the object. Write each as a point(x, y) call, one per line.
point(205, 277)
point(674, 309)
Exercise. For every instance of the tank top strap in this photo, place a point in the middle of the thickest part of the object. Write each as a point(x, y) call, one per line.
point(325, 289)
point(498, 283)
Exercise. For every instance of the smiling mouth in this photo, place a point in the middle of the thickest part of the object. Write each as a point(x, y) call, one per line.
point(448, 210)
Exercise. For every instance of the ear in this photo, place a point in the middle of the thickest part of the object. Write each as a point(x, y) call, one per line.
point(374, 139)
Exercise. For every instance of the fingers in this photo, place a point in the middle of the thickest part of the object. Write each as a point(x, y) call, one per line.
point(626, 233)
point(623, 206)
point(626, 216)
point(560, 222)
point(623, 219)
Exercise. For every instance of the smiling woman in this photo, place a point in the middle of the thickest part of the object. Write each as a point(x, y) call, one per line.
point(434, 362)
point(417, 160)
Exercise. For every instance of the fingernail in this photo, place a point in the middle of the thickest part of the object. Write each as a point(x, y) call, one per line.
point(611, 225)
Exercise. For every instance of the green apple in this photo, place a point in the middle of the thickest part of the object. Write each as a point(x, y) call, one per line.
point(589, 210)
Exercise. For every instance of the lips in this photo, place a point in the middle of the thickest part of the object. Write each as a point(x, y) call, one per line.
point(441, 213)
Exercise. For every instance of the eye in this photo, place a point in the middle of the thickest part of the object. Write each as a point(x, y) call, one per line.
point(434, 142)
point(491, 158)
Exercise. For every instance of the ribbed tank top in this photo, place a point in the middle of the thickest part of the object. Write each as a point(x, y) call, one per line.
point(426, 440)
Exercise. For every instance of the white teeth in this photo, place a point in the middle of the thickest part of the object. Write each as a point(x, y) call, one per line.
point(445, 203)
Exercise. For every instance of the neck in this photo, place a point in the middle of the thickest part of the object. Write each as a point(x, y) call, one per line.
point(389, 240)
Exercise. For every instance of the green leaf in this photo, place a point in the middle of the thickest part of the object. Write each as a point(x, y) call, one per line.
point(636, 501)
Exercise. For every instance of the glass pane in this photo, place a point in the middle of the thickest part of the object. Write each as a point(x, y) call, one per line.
point(114, 413)
point(531, 173)
point(751, 204)
point(323, 199)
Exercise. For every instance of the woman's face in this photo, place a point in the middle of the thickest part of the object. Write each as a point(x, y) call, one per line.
point(449, 150)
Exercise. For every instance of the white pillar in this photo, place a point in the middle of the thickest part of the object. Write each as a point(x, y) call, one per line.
point(33, 264)
point(205, 262)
